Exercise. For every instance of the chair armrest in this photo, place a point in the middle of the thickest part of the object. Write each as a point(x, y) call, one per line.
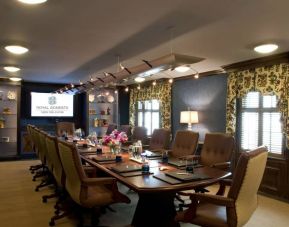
point(223, 183)
point(190, 157)
point(214, 199)
point(222, 165)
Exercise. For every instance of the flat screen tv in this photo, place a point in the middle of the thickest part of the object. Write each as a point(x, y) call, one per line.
point(51, 105)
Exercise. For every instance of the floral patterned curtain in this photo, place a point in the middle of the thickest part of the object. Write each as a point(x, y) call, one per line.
point(268, 80)
point(161, 92)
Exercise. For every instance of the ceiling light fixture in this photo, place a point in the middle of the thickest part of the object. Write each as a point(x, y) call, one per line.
point(182, 69)
point(139, 79)
point(171, 80)
point(154, 83)
point(11, 69)
point(266, 48)
point(32, 2)
point(15, 79)
point(126, 89)
point(16, 49)
point(138, 87)
point(196, 76)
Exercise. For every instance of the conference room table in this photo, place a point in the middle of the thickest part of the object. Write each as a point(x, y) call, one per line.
point(155, 206)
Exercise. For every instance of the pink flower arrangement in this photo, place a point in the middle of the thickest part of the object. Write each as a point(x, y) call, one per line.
point(115, 138)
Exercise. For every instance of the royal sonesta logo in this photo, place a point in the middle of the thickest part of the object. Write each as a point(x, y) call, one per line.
point(52, 100)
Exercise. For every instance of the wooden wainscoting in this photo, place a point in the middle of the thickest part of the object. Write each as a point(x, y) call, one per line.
point(275, 180)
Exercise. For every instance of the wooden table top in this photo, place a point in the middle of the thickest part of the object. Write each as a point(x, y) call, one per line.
point(148, 183)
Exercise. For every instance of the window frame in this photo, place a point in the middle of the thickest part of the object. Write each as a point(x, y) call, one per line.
point(260, 111)
point(144, 111)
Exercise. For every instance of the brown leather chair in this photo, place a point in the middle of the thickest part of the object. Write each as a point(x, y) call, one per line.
point(237, 207)
point(184, 144)
point(87, 192)
point(160, 139)
point(139, 133)
point(127, 130)
point(217, 150)
point(65, 127)
point(110, 129)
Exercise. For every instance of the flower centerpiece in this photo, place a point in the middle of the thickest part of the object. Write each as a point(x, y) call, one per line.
point(114, 140)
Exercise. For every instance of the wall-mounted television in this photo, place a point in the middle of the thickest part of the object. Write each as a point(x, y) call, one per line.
point(51, 105)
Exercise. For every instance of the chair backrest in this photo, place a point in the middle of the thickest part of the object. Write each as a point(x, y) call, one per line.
point(110, 128)
point(218, 147)
point(65, 127)
point(246, 181)
point(139, 133)
point(127, 130)
point(43, 149)
point(58, 172)
point(185, 143)
point(74, 172)
point(160, 139)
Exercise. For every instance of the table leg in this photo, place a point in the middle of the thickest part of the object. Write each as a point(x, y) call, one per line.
point(155, 209)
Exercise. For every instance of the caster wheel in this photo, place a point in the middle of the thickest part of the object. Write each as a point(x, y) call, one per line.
point(57, 212)
point(36, 189)
point(44, 200)
point(32, 172)
point(51, 223)
point(33, 179)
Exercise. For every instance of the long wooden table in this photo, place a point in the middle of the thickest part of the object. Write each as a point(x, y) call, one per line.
point(156, 198)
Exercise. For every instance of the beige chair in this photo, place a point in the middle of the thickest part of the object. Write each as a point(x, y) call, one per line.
point(237, 207)
point(65, 128)
point(184, 144)
point(160, 140)
point(87, 192)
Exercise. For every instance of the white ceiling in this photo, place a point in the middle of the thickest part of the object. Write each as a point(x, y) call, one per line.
point(73, 39)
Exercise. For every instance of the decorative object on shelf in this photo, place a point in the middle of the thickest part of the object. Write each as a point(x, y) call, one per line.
point(114, 141)
point(108, 111)
point(11, 95)
point(95, 122)
point(91, 98)
point(5, 139)
point(6, 110)
point(92, 111)
point(102, 112)
point(104, 123)
point(2, 122)
point(110, 99)
point(101, 98)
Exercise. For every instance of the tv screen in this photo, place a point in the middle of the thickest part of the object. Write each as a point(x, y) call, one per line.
point(51, 105)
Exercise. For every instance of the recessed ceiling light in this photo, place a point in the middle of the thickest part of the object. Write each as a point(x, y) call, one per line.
point(139, 79)
point(266, 48)
point(11, 69)
point(15, 49)
point(32, 2)
point(171, 80)
point(182, 69)
point(15, 79)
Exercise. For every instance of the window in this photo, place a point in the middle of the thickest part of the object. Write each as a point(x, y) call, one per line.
point(260, 122)
point(148, 114)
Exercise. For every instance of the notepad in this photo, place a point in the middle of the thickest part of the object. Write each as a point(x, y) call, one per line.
point(151, 155)
point(178, 162)
point(185, 176)
point(103, 158)
point(125, 168)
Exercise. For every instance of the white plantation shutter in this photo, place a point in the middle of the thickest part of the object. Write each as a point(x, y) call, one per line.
point(272, 135)
point(148, 114)
point(260, 123)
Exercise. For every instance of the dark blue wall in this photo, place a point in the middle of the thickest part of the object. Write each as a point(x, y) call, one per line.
point(206, 95)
